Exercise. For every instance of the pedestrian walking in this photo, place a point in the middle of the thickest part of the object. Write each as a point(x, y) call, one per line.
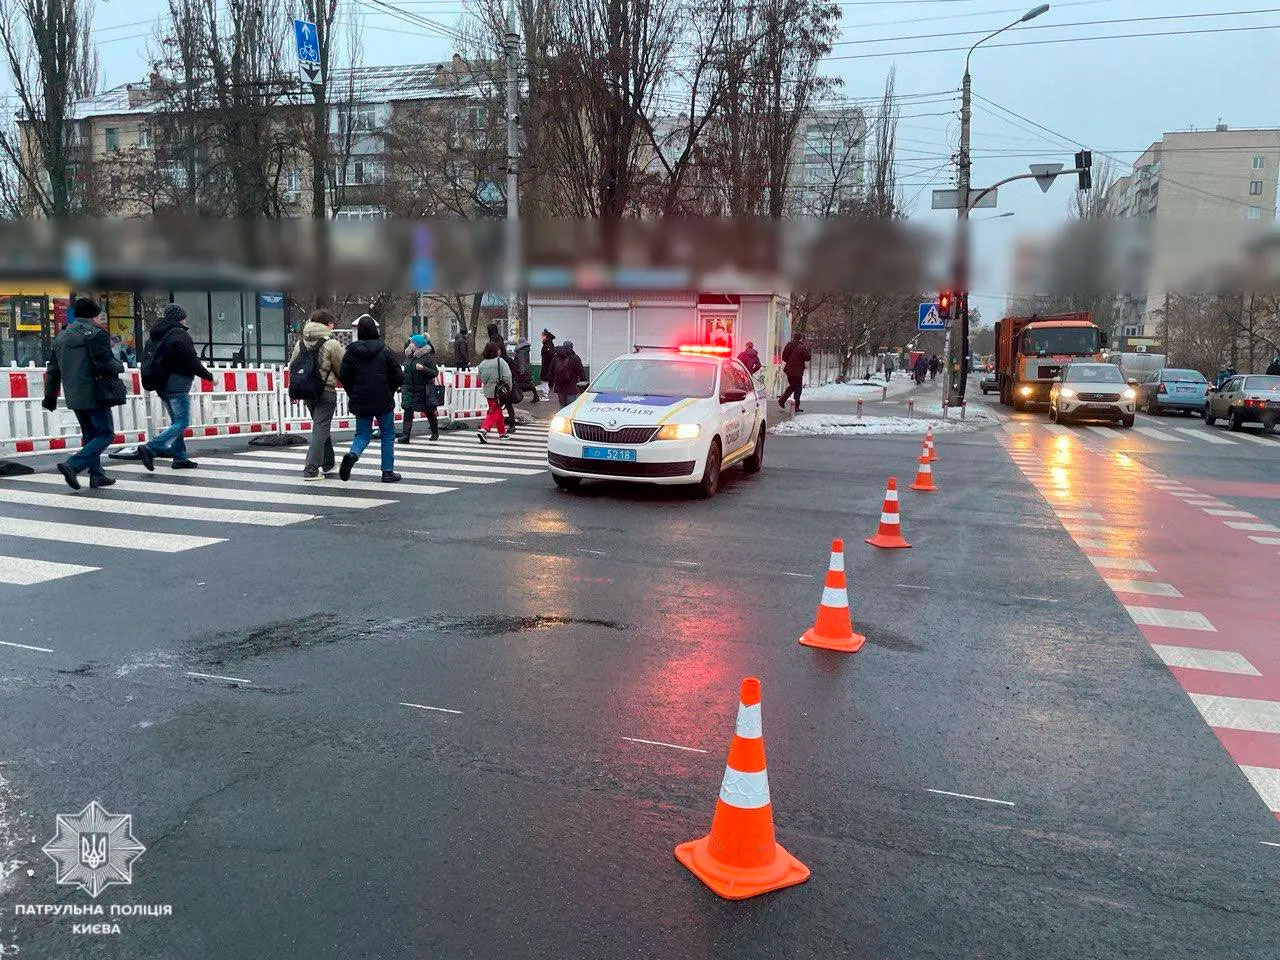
point(933, 367)
point(462, 349)
point(169, 367)
point(418, 395)
point(795, 355)
point(569, 372)
point(888, 369)
point(496, 382)
point(750, 358)
point(371, 374)
point(546, 373)
point(313, 379)
point(496, 337)
point(919, 368)
point(82, 368)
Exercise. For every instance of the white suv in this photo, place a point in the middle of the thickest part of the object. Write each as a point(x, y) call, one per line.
point(666, 418)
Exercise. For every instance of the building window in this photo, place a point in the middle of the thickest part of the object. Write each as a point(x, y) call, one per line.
point(1255, 188)
point(1255, 213)
point(144, 136)
point(112, 136)
point(1259, 163)
point(293, 181)
point(360, 213)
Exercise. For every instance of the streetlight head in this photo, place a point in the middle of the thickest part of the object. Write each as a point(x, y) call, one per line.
point(1035, 12)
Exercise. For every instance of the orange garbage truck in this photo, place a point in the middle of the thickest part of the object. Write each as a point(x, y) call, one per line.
point(1031, 352)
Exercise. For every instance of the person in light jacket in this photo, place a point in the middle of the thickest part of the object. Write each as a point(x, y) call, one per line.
point(495, 379)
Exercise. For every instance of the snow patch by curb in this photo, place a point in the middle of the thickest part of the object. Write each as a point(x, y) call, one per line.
point(848, 425)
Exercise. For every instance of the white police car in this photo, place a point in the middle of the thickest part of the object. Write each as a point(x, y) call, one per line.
point(666, 417)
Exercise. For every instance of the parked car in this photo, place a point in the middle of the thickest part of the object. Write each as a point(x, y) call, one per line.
point(1092, 391)
point(1173, 388)
point(1252, 398)
point(989, 382)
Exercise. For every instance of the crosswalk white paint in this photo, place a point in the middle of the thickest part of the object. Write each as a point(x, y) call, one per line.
point(369, 466)
point(1142, 433)
point(1059, 429)
point(1160, 435)
point(98, 503)
point(1266, 541)
point(1238, 713)
point(1240, 514)
point(84, 534)
point(1265, 780)
point(196, 491)
point(1150, 588)
point(1105, 431)
point(1203, 434)
point(474, 452)
point(290, 475)
point(24, 572)
point(1078, 515)
point(1174, 619)
point(1196, 658)
point(1256, 527)
point(1121, 563)
point(1254, 438)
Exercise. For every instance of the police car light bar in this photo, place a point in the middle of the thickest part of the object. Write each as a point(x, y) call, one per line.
point(705, 349)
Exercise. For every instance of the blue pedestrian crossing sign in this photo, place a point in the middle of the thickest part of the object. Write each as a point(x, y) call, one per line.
point(307, 42)
point(929, 319)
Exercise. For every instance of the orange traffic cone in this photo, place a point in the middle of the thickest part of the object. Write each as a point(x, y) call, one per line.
point(929, 449)
point(740, 857)
point(832, 629)
point(924, 477)
point(889, 535)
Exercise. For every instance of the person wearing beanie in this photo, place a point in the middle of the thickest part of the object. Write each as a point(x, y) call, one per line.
point(569, 372)
point(419, 392)
point(82, 367)
point(170, 366)
point(371, 375)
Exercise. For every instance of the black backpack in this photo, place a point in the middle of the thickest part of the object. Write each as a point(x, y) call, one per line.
point(154, 372)
point(305, 382)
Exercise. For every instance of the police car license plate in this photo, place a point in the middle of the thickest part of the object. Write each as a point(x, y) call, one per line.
point(609, 453)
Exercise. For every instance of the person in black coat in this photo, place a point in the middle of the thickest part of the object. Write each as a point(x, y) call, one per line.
point(462, 349)
point(82, 368)
point(419, 392)
point(169, 345)
point(569, 372)
point(371, 374)
point(547, 373)
point(795, 355)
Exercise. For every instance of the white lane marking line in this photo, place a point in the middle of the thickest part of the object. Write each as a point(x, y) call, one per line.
point(685, 563)
point(1268, 843)
point(1038, 599)
point(198, 491)
point(214, 676)
point(804, 576)
point(93, 502)
point(25, 572)
point(1150, 588)
point(594, 553)
point(1242, 514)
point(910, 586)
point(1267, 541)
point(970, 796)
point(660, 743)
point(1174, 619)
point(1204, 435)
point(1121, 563)
point(25, 646)
point(1238, 713)
point(423, 706)
point(1078, 515)
point(1160, 435)
point(1260, 527)
point(514, 543)
point(103, 536)
point(1196, 658)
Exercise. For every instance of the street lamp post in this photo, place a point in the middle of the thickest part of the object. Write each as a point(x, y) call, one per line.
point(958, 372)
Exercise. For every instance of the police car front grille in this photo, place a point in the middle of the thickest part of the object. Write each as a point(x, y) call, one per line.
point(594, 433)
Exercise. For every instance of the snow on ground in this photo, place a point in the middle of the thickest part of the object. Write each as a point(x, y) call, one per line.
point(973, 413)
point(857, 389)
point(848, 425)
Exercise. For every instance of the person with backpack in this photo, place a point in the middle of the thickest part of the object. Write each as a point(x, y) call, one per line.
point(419, 391)
point(82, 368)
point(169, 367)
point(371, 374)
point(496, 382)
point(569, 372)
point(313, 379)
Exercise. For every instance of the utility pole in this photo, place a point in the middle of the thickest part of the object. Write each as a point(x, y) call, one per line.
point(512, 278)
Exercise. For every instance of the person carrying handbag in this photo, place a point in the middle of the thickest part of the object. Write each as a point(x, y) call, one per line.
point(420, 391)
point(83, 368)
point(496, 382)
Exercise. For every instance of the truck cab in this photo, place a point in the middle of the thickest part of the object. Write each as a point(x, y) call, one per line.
point(1032, 351)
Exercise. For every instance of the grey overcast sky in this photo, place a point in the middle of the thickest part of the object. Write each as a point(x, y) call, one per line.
point(1113, 95)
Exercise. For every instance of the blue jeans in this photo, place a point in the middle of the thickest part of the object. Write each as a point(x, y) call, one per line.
point(170, 440)
point(364, 432)
point(98, 430)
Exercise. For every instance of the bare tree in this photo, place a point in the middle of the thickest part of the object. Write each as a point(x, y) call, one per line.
point(51, 65)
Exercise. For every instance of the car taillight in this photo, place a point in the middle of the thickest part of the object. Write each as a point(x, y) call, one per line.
point(1254, 402)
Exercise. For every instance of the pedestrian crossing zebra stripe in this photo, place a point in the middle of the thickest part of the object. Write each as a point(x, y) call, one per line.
point(1204, 435)
point(283, 474)
point(198, 491)
point(95, 536)
point(288, 461)
point(1160, 435)
point(472, 452)
point(90, 502)
point(25, 572)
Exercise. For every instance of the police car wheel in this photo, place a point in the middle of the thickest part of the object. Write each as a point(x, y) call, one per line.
point(710, 481)
point(566, 483)
point(755, 461)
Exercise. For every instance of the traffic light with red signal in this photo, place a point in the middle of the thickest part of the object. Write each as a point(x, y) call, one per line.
point(945, 304)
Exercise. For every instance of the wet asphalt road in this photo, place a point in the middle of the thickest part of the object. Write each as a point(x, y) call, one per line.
point(311, 813)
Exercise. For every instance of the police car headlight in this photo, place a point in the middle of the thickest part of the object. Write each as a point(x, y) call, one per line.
point(560, 425)
point(678, 431)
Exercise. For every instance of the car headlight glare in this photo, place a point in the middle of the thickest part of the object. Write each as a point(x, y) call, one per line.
point(1130, 394)
point(1025, 391)
point(678, 431)
point(561, 425)
point(1067, 393)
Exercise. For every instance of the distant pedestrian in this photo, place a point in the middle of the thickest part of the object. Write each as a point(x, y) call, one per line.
point(496, 337)
point(919, 368)
point(462, 349)
point(933, 367)
point(569, 372)
point(546, 373)
point(418, 395)
point(496, 381)
point(795, 355)
point(321, 364)
point(888, 369)
point(82, 367)
point(169, 367)
point(1274, 368)
point(371, 374)
point(750, 359)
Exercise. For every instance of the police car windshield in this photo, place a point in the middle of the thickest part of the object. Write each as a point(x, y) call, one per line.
point(658, 377)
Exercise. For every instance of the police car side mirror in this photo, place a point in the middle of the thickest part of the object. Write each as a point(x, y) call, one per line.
point(732, 396)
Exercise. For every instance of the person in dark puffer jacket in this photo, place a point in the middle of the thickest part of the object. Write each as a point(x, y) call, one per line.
point(371, 374)
point(177, 352)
